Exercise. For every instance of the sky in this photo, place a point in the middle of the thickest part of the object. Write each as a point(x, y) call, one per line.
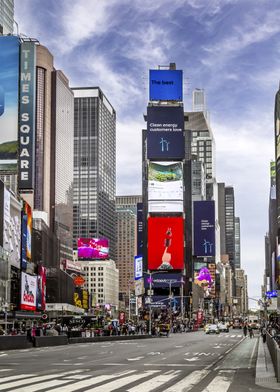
point(229, 48)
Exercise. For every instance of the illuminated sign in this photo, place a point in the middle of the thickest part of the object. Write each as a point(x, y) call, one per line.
point(204, 228)
point(93, 248)
point(27, 115)
point(166, 85)
point(138, 267)
point(165, 243)
point(165, 132)
point(28, 292)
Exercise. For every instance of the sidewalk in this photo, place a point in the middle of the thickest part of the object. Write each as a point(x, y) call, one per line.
point(265, 376)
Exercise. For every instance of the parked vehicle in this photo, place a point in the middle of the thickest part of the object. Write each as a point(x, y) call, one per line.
point(212, 329)
point(223, 327)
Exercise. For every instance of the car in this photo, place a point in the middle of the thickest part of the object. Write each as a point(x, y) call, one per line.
point(212, 328)
point(223, 327)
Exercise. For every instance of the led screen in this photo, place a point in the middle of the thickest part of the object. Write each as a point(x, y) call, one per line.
point(93, 248)
point(165, 243)
point(165, 132)
point(166, 85)
point(204, 228)
point(28, 292)
point(26, 233)
point(41, 288)
point(165, 181)
point(9, 80)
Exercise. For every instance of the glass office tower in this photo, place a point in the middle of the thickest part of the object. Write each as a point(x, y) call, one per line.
point(6, 17)
point(94, 167)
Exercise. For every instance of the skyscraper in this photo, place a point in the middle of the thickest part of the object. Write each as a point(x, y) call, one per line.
point(237, 261)
point(94, 166)
point(6, 17)
point(126, 209)
point(230, 225)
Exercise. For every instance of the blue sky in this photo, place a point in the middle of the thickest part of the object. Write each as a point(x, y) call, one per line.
point(230, 48)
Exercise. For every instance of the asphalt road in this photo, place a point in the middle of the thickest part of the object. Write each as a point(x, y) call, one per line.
point(183, 362)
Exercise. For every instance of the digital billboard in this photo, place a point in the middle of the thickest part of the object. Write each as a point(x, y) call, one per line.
point(81, 298)
point(9, 79)
point(165, 243)
point(165, 181)
point(27, 115)
point(164, 280)
point(165, 206)
point(212, 270)
point(166, 85)
point(204, 228)
point(139, 228)
point(28, 292)
point(138, 267)
point(165, 132)
point(41, 288)
point(26, 233)
point(93, 248)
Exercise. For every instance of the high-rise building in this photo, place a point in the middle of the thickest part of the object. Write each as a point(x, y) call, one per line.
point(94, 166)
point(237, 260)
point(230, 225)
point(198, 100)
point(126, 210)
point(198, 181)
point(62, 164)
point(6, 17)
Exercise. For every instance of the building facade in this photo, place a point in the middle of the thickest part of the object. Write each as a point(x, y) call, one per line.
point(6, 17)
point(237, 249)
point(126, 209)
point(94, 167)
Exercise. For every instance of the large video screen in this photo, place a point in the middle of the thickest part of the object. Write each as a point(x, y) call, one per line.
point(165, 181)
point(28, 292)
point(204, 228)
point(93, 248)
point(26, 235)
point(165, 243)
point(166, 85)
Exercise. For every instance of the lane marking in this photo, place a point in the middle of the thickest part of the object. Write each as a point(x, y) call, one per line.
point(252, 355)
point(220, 383)
point(173, 365)
point(91, 381)
point(117, 384)
point(135, 359)
point(155, 382)
point(39, 387)
point(187, 383)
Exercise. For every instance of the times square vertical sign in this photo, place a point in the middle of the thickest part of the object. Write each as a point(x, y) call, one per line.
point(27, 115)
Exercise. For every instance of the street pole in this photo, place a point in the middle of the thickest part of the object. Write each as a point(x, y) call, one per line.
point(170, 311)
point(6, 307)
point(182, 300)
point(128, 301)
point(150, 311)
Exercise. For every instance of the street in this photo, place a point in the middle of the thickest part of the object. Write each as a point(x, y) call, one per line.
point(183, 362)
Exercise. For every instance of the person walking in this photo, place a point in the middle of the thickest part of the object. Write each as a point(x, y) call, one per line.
point(245, 330)
point(251, 333)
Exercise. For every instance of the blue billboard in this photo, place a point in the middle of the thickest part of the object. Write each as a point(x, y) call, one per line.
point(9, 79)
point(140, 228)
point(204, 228)
point(166, 85)
point(163, 280)
point(165, 132)
point(138, 267)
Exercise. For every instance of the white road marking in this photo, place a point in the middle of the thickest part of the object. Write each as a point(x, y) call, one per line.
point(135, 359)
point(206, 354)
point(154, 383)
point(178, 346)
point(115, 364)
point(154, 353)
point(12, 378)
point(39, 387)
point(113, 385)
point(239, 336)
point(3, 355)
point(5, 370)
point(91, 381)
point(252, 355)
point(192, 359)
point(31, 379)
point(187, 383)
point(221, 382)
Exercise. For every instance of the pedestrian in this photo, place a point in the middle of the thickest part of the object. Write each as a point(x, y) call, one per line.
point(251, 333)
point(245, 330)
point(263, 333)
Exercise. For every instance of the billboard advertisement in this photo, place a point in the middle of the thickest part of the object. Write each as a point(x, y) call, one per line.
point(93, 248)
point(203, 278)
point(166, 85)
point(165, 243)
point(81, 298)
point(163, 280)
point(165, 206)
point(139, 228)
point(26, 233)
point(165, 181)
point(27, 115)
point(138, 267)
point(9, 79)
point(212, 270)
point(41, 288)
point(165, 132)
point(204, 228)
point(28, 292)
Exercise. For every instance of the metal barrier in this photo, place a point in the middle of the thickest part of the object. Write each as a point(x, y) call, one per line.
point(275, 354)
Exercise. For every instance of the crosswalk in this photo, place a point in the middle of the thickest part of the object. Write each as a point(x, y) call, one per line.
point(126, 381)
